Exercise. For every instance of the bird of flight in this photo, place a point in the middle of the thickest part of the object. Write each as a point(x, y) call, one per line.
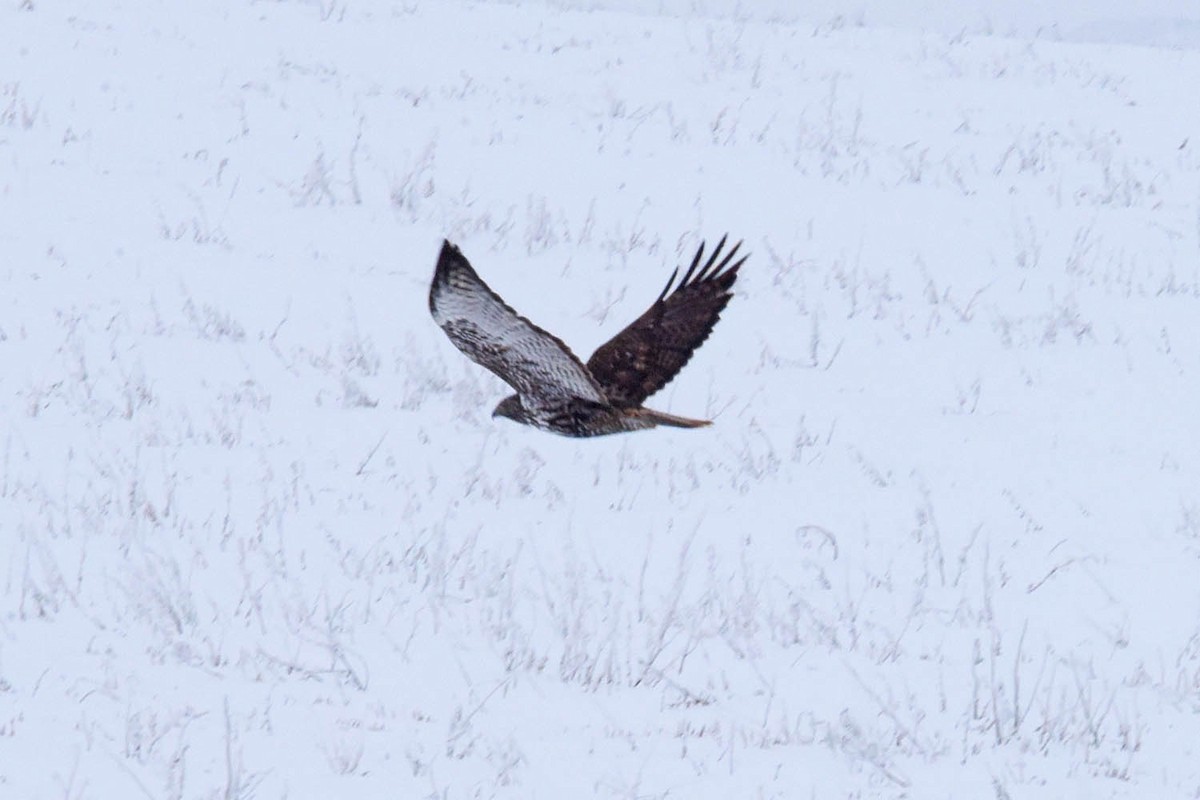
point(555, 390)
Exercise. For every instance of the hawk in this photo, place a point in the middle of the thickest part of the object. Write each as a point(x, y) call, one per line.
point(556, 391)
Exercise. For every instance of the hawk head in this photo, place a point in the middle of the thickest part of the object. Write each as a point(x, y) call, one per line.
point(511, 407)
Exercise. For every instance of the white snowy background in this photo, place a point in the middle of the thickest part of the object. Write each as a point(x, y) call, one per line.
point(260, 537)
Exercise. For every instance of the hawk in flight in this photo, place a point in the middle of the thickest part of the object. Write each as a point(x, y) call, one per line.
point(555, 390)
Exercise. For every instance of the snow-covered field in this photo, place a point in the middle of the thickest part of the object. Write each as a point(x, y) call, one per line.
point(260, 537)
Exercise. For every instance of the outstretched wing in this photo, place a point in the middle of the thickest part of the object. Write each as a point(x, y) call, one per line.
point(538, 365)
point(644, 357)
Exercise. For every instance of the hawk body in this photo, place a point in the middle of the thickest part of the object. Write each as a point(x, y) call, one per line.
point(555, 390)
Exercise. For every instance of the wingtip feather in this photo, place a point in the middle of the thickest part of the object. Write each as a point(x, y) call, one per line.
point(717, 268)
point(449, 250)
point(666, 289)
point(450, 260)
point(687, 276)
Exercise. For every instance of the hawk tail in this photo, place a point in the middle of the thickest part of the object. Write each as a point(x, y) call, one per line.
point(661, 418)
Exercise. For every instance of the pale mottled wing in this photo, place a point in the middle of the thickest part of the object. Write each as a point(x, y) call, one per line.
point(538, 365)
point(644, 357)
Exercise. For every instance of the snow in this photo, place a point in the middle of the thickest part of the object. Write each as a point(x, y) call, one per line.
point(260, 536)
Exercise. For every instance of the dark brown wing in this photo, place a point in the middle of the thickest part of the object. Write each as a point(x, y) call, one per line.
point(644, 357)
point(538, 365)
